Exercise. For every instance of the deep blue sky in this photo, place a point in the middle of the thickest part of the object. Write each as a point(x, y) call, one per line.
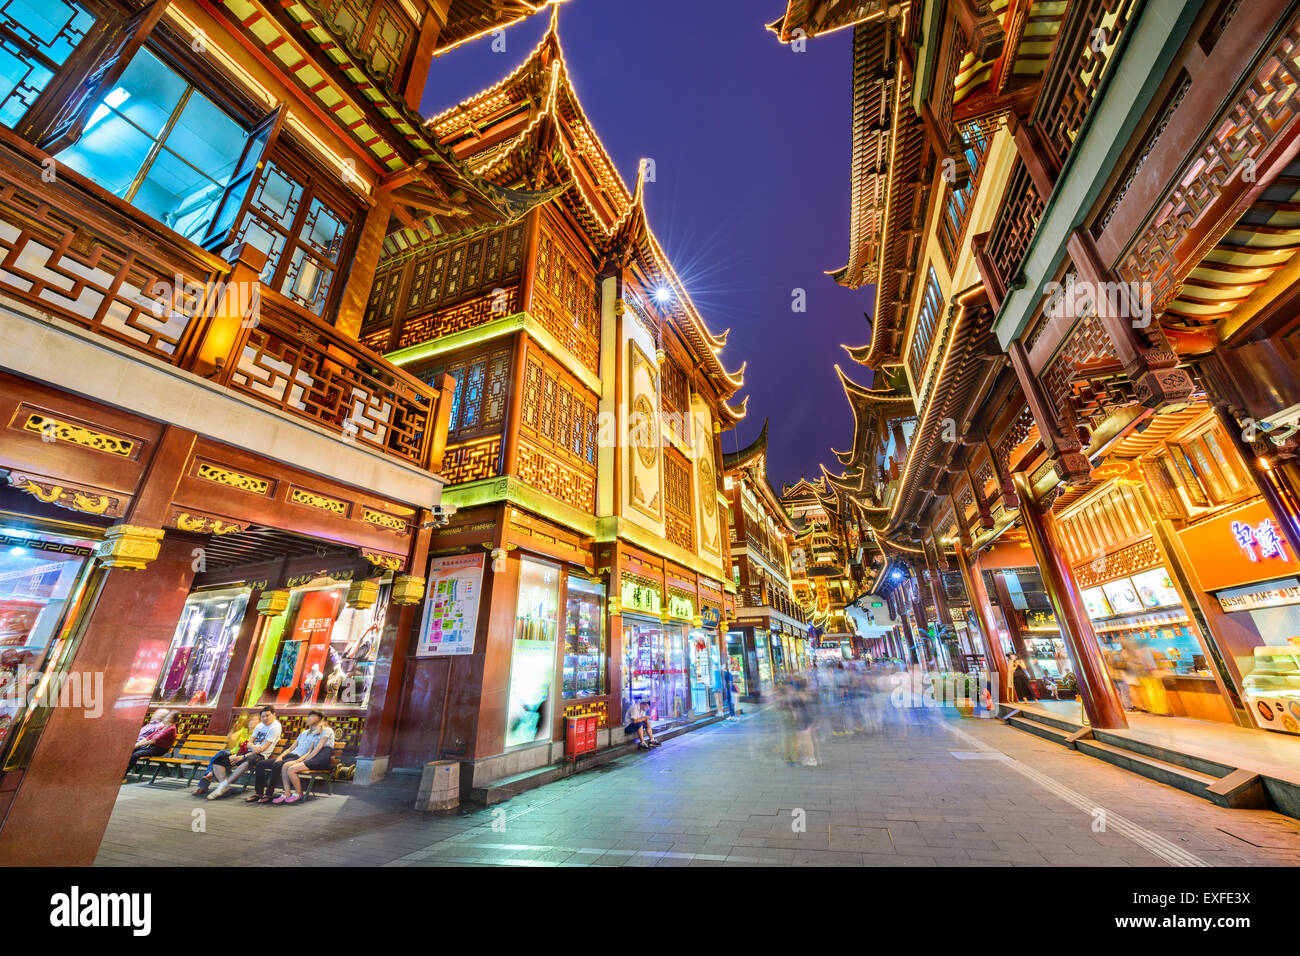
point(751, 199)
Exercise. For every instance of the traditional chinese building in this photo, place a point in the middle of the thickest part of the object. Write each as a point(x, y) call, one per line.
point(821, 559)
point(1074, 216)
point(587, 564)
point(768, 637)
point(214, 497)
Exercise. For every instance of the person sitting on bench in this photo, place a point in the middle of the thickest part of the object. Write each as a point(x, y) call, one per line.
point(158, 743)
point(313, 750)
point(638, 718)
point(236, 744)
point(261, 745)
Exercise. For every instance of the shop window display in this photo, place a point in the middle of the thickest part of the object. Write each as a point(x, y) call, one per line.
point(319, 651)
point(532, 660)
point(584, 639)
point(736, 660)
point(705, 671)
point(196, 663)
point(42, 584)
point(654, 660)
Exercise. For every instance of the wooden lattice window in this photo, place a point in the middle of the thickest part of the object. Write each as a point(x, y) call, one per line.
point(565, 299)
point(446, 275)
point(678, 501)
point(675, 394)
point(559, 413)
point(478, 404)
point(379, 32)
point(927, 320)
point(956, 210)
point(33, 48)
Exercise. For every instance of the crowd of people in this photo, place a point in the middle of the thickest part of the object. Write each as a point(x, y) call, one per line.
point(249, 747)
point(846, 697)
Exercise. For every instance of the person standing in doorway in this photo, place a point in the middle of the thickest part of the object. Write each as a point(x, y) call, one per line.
point(729, 692)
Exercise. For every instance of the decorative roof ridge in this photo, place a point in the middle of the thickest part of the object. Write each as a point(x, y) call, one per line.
point(751, 451)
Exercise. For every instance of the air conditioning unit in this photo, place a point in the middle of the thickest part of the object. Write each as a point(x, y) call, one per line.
point(1281, 425)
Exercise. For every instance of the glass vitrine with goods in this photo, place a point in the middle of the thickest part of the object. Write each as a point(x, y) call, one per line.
point(195, 667)
point(584, 639)
point(43, 584)
point(1272, 688)
point(654, 665)
point(319, 652)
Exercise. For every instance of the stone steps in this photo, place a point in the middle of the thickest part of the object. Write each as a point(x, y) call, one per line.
point(1226, 786)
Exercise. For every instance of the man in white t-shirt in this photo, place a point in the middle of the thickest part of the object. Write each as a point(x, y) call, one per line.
point(261, 745)
point(638, 717)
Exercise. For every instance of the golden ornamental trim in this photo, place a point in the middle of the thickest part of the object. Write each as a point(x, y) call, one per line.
point(390, 562)
point(362, 595)
point(203, 524)
point(55, 429)
point(233, 479)
point(273, 603)
point(74, 499)
point(386, 521)
point(301, 496)
point(407, 589)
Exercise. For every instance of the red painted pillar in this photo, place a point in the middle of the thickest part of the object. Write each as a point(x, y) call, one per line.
point(67, 791)
point(1100, 699)
point(973, 578)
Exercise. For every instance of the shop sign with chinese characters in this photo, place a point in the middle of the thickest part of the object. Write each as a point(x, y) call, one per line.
point(681, 607)
point(639, 597)
point(1244, 546)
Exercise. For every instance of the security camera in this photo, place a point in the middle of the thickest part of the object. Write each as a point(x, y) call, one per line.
point(441, 516)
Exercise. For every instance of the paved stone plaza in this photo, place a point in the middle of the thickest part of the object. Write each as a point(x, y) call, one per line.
point(929, 789)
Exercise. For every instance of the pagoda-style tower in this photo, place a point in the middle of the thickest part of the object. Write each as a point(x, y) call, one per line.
point(583, 451)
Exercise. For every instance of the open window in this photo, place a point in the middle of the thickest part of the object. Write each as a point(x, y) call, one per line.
point(99, 76)
point(161, 143)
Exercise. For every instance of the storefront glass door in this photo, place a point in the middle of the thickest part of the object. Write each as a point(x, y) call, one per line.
point(654, 662)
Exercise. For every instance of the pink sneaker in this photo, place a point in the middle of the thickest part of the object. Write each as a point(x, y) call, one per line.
point(280, 799)
point(292, 798)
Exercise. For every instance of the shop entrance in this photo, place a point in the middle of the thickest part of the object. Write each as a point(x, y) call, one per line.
point(654, 660)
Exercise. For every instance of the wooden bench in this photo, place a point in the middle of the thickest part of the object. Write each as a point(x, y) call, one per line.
point(190, 751)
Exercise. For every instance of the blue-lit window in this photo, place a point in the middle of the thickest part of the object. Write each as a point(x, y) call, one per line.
point(160, 144)
point(36, 38)
point(301, 233)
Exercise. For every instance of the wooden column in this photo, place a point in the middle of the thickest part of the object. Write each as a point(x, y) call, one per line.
point(912, 653)
point(1008, 615)
point(973, 578)
point(390, 662)
point(1064, 450)
point(361, 275)
point(936, 585)
point(1100, 699)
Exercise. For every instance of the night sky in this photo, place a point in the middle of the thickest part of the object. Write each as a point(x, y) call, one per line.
point(751, 199)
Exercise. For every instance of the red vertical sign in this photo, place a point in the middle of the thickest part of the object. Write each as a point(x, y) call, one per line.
point(313, 628)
